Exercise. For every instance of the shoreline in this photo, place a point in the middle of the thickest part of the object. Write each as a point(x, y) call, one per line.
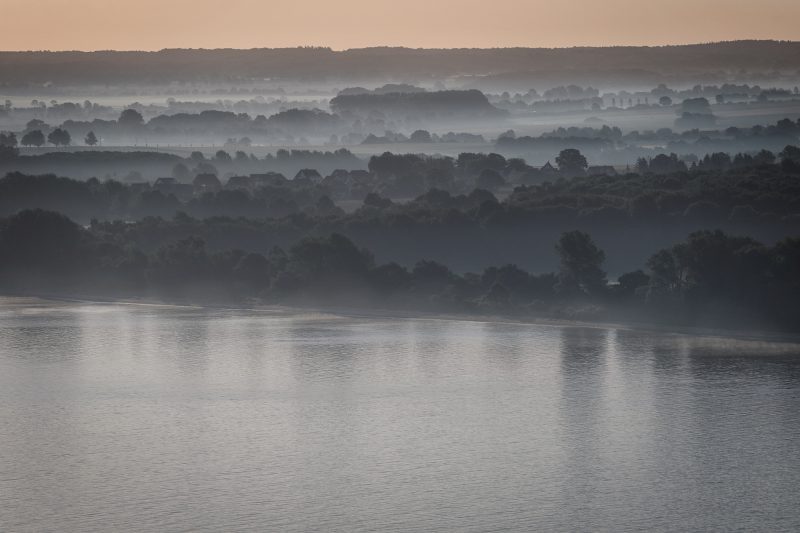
point(388, 313)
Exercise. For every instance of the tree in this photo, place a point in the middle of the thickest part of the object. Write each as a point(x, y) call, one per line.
point(764, 157)
point(181, 172)
point(699, 106)
point(59, 137)
point(36, 124)
point(513, 278)
point(33, 138)
point(571, 161)
point(8, 139)
point(666, 164)
point(420, 136)
point(668, 272)
point(716, 161)
point(326, 261)
point(373, 199)
point(508, 134)
point(389, 277)
point(41, 240)
point(8, 152)
point(581, 261)
point(497, 295)
point(429, 273)
point(179, 263)
point(222, 156)
point(8, 146)
point(790, 153)
point(630, 281)
point(130, 118)
point(91, 139)
point(489, 179)
point(253, 269)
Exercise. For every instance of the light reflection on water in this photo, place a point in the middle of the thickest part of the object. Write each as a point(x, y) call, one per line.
point(118, 417)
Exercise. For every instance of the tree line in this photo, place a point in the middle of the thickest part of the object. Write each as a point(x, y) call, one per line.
point(485, 187)
point(710, 279)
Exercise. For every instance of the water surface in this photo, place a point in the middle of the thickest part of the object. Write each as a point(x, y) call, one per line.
point(156, 418)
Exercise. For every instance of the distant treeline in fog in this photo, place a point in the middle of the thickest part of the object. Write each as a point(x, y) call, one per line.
point(610, 143)
point(601, 144)
point(586, 63)
point(356, 119)
point(598, 144)
point(709, 279)
point(138, 166)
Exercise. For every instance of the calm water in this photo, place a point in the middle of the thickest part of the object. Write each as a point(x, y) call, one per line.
point(119, 418)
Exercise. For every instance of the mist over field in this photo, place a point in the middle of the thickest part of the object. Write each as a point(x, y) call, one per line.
point(472, 159)
point(430, 266)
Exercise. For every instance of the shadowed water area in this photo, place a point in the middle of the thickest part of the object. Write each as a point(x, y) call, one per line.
point(157, 418)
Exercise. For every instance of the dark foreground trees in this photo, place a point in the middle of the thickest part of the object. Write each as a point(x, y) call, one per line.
point(715, 274)
point(710, 279)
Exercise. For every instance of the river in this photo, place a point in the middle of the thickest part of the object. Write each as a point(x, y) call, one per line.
point(119, 417)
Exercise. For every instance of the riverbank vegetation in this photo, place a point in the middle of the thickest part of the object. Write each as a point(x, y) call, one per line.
point(710, 278)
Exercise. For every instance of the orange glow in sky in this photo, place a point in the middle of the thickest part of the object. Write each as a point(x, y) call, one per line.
point(156, 24)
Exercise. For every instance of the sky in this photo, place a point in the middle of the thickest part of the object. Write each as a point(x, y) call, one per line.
point(342, 24)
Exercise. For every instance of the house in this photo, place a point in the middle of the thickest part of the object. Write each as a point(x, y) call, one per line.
point(338, 183)
point(242, 183)
point(138, 187)
point(309, 174)
point(161, 183)
point(548, 170)
point(361, 176)
point(601, 170)
point(206, 183)
point(269, 179)
point(166, 186)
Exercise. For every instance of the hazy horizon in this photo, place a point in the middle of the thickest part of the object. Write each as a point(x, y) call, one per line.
point(388, 46)
point(399, 266)
point(147, 25)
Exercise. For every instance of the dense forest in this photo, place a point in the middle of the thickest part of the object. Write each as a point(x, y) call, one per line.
point(444, 209)
point(708, 279)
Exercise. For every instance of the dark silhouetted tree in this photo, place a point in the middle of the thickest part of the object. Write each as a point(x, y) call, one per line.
point(222, 157)
point(580, 264)
point(33, 138)
point(420, 136)
point(571, 161)
point(130, 118)
point(8, 139)
point(59, 137)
